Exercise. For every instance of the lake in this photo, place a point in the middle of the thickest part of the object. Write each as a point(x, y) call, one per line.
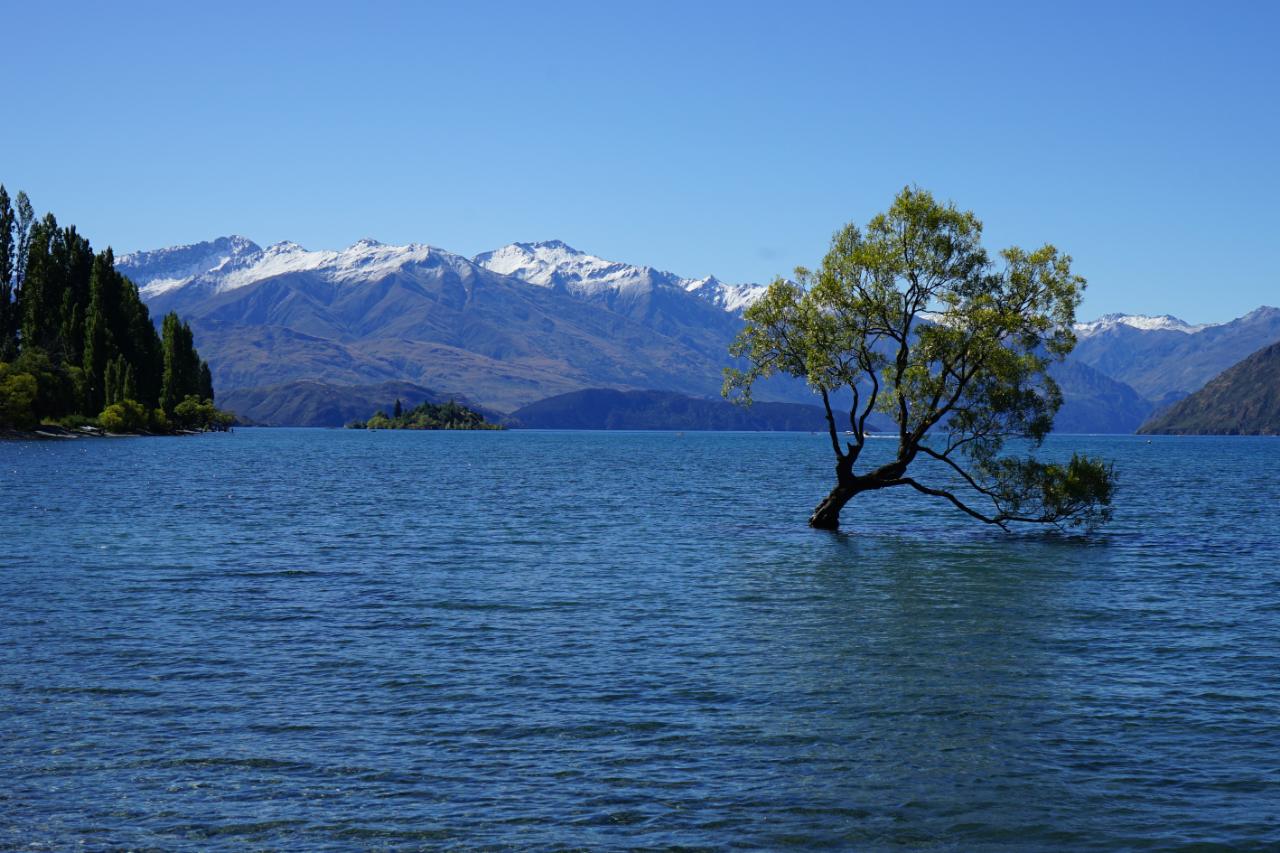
point(332, 640)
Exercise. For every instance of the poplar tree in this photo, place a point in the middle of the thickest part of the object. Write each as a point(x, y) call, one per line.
point(41, 301)
point(181, 363)
point(7, 248)
point(128, 383)
point(206, 382)
point(8, 257)
point(96, 349)
point(25, 221)
point(171, 381)
point(109, 384)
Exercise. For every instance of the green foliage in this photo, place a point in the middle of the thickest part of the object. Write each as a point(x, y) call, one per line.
point(911, 318)
point(17, 398)
point(77, 421)
point(56, 394)
point(82, 327)
point(125, 416)
point(196, 414)
point(182, 375)
point(450, 415)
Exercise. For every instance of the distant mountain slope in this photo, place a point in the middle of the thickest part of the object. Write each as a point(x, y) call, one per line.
point(1162, 360)
point(607, 408)
point(1095, 403)
point(318, 404)
point(1242, 400)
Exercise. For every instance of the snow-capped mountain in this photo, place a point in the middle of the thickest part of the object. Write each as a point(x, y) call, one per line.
point(515, 325)
point(1165, 358)
point(159, 270)
point(1143, 322)
point(552, 263)
point(733, 298)
point(229, 263)
point(232, 262)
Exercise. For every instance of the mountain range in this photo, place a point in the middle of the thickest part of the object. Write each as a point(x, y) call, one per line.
point(530, 321)
point(373, 313)
point(1164, 359)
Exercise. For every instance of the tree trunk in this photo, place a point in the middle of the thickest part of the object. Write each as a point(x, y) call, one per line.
point(826, 516)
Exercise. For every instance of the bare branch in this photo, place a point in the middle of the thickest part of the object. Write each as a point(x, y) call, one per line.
point(831, 425)
point(871, 401)
point(943, 457)
point(998, 520)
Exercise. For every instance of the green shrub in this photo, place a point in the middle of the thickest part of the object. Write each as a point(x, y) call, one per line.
point(18, 393)
point(194, 413)
point(125, 416)
point(76, 421)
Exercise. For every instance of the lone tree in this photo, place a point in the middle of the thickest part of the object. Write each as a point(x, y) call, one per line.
point(914, 319)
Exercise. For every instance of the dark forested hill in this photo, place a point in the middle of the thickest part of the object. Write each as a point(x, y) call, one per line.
point(606, 408)
point(1243, 400)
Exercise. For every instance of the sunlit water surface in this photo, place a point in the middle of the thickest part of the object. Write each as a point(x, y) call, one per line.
point(329, 640)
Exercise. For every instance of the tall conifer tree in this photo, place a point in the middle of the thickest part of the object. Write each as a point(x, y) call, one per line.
point(8, 257)
point(41, 301)
point(96, 354)
point(129, 383)
point(25, 221)
point(206, 382)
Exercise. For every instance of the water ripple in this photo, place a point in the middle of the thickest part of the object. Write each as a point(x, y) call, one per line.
point(328, 640)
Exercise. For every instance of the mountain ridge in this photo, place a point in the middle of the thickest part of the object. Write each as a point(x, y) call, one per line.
point(532, 320)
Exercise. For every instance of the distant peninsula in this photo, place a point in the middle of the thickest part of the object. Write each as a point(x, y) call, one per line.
point(449, 415)
point(1242, 400)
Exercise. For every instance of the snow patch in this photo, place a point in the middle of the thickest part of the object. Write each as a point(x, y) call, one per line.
point(1163, 322)
point(219, 271)
point(553, 263)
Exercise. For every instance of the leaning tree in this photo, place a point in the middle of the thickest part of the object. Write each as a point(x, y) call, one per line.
point(910, 318)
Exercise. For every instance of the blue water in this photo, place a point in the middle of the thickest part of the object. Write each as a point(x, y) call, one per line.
point(330, 640)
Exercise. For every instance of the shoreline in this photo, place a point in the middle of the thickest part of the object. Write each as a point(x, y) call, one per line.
point(57, 433)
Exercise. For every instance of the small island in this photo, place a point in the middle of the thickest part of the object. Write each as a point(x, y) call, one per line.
point(450, 415)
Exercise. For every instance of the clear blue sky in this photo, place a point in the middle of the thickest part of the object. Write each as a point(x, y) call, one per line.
point(699, 137)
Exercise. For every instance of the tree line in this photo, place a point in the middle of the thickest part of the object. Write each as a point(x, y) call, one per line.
point(77, 344)
point(450, 415)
